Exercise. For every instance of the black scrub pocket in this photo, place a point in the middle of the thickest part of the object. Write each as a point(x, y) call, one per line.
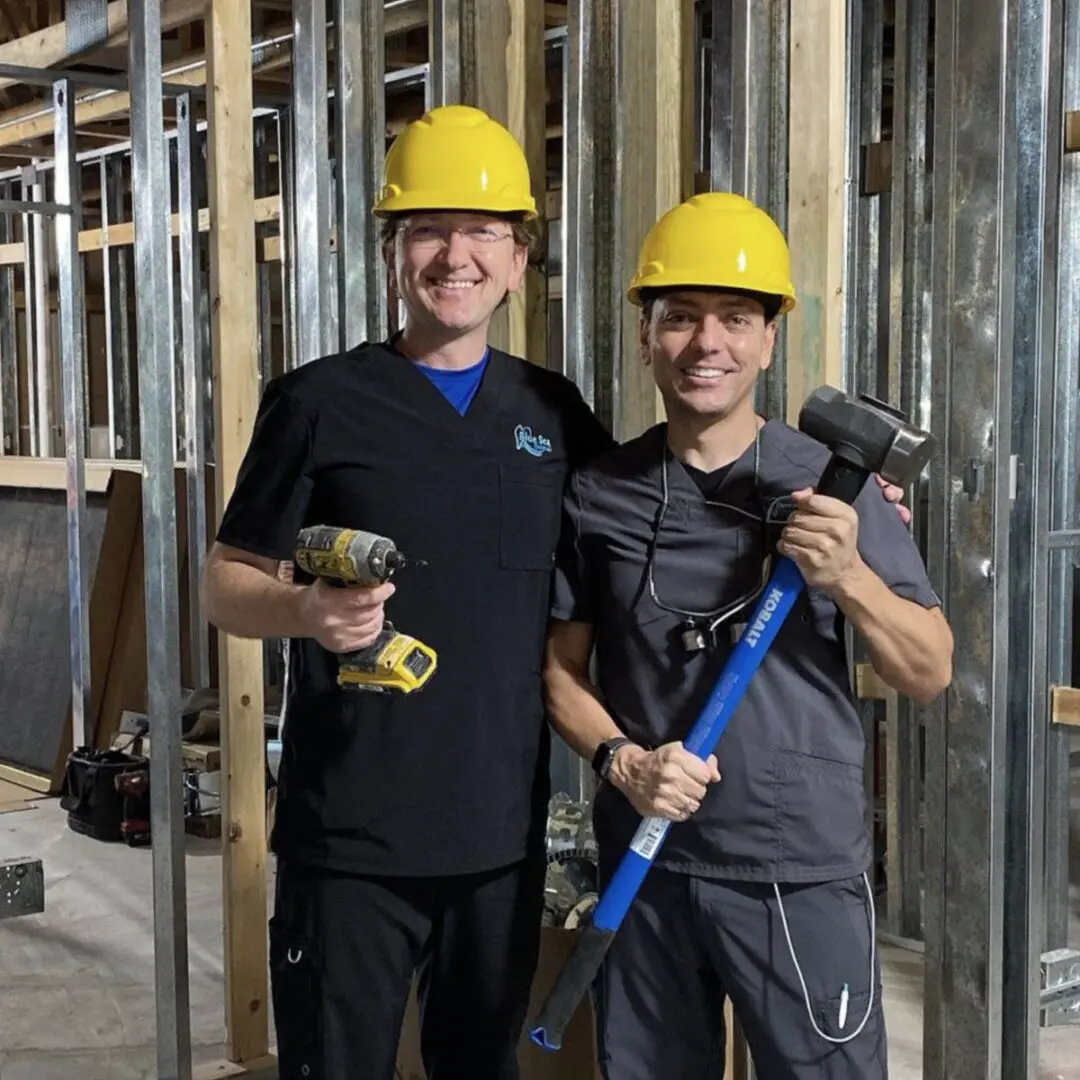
point(295, 996)
point(530, 508)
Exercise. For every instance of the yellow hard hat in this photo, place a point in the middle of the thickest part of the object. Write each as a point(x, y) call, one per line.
point(456, 158)
point(715, 240)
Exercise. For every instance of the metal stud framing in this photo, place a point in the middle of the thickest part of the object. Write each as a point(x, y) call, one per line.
point(590, 304)
point(906, 382)
point(154, 309)
point(194, 377)
point(10, 412)
point(453, 51)
point(74, 396)
point(312, 209)
point(748, 74)
point(997, 72)
point(360, 109)
point(1064, 541)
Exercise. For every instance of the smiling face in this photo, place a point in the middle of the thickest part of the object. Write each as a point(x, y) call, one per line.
point(707, 349)
point(452, 269)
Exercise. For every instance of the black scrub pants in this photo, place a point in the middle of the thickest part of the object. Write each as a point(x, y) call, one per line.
point(688, 943)
point(343, 951)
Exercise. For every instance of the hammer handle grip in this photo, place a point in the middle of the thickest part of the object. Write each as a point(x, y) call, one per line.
point(842, 479)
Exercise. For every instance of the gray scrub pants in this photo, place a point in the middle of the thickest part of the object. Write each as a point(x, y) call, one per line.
point(688, 943)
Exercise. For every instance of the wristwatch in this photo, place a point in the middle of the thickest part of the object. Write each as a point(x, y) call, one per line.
point(605, 755)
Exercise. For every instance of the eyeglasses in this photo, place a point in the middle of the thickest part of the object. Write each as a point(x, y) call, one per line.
point(429, 235)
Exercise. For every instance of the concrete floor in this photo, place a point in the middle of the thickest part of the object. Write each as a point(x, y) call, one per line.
point(78, 991)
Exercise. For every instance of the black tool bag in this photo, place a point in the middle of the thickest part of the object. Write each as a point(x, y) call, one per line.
point(106, 794)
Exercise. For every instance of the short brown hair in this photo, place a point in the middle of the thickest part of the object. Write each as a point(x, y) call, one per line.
point(770, 303)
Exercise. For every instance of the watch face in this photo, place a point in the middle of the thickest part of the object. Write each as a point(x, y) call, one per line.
point(605, 755)
point(609, 756)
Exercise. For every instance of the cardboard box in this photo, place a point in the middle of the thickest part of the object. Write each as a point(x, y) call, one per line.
point(577, 1058)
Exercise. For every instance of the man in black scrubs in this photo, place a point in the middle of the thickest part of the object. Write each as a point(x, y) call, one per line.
point(760, 891)
point(410, 828)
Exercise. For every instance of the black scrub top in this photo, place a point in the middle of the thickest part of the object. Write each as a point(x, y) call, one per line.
point(453, 778)
point(791, 803)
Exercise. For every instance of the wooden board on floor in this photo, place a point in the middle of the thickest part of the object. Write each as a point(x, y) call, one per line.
point(15, 797)
point(264, 1067)
point(123, 686)
point(21, 778)
point(35, 696)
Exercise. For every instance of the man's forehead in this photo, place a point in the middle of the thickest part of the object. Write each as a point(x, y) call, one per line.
point(715, 299)
point(451, 217)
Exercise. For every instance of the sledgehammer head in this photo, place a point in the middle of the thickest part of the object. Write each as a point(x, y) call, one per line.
point(867, 434)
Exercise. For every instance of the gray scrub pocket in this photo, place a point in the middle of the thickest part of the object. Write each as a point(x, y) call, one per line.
point(815, 796)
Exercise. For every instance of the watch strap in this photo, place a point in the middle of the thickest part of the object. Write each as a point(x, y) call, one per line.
point(605, 754)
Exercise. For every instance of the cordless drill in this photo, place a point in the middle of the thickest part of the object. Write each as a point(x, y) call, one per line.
point(349, 557)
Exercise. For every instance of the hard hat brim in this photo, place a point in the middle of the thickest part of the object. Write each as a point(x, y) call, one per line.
point(672, 282)
point(414, 201)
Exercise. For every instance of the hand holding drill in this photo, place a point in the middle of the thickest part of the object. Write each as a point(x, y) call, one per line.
point(344, 620)
point(344, 608)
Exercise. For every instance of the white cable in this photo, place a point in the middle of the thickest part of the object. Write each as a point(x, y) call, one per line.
point(284, 687)
point(843, 1000)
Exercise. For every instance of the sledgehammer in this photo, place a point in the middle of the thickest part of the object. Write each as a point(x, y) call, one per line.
point(865, 436)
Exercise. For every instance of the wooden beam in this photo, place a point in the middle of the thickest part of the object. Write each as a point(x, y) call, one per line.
point(816, 196)
point(35, 121)
point(48, 47)
point(122, 233)
point(405, 17)
point(877, 168)
point(34, 781)
point(1072, 132)
point(50, 474)
point(526, 116)
point(263, 1068)
point(656, 101)
point(870, 686)
point(510, 87)
point(1065, 705)
point(234, 330)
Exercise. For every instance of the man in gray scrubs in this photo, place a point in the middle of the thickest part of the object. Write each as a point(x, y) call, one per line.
point(760, 893)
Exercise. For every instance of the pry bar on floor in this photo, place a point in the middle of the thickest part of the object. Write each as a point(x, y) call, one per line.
point(865, 436)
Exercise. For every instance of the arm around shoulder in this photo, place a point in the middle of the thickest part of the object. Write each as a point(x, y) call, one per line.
point(887, 597)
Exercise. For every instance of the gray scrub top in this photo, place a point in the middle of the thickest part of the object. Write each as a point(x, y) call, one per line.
point(791, 803)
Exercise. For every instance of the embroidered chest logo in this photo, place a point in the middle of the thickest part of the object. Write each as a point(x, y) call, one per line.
point(537, 445)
